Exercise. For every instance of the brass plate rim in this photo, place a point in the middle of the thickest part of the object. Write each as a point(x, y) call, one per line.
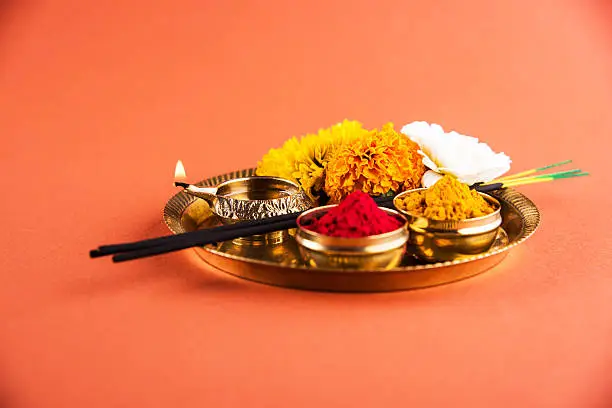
point(358, 285)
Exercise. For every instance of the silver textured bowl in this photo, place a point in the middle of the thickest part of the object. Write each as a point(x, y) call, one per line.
point(253, 198)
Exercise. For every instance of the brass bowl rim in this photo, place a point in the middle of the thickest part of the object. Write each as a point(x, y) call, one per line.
point(325, 208)
point(298, 189)
point(353, 246)
point(450, 225)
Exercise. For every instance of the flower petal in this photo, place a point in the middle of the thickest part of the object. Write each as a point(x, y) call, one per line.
point(430, 178)
point(460, 155)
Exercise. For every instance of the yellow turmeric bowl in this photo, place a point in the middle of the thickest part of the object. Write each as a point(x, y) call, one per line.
point(437, 241)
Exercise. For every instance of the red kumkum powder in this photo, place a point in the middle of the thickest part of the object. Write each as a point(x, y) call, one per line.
point(356, 216)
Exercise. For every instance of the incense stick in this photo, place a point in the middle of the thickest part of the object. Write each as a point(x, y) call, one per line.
point(532, 171)
point(154, 246)
point(561, 174)
point(207, 236)
point(203, 238)
point(540, 179)
point(215, 234)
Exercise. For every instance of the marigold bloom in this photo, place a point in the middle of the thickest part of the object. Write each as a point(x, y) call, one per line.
point(378, 163)
point(304, 160)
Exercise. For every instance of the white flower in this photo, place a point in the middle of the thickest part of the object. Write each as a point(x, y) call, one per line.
point(453, 153)
point(430, 178)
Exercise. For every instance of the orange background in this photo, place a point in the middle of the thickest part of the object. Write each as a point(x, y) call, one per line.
point(98, 101)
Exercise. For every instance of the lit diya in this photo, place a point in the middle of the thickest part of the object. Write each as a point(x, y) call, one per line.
point(248, 198)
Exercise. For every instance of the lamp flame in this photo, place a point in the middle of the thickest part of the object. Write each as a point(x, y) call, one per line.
point(179, 171)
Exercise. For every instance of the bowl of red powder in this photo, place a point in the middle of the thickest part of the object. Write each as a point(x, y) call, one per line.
point(353, 234)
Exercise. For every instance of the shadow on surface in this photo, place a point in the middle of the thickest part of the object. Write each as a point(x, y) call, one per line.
point(8, 13)
point(174, 274)
point(7, 397)
point(183, 270)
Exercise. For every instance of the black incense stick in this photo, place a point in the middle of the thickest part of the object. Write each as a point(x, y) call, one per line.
point(147, 243)
point(489, 187)
point(204, 237)
point(215, 234)
point(169, 243)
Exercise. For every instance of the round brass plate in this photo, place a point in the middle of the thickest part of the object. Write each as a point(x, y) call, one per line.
point(281, 264)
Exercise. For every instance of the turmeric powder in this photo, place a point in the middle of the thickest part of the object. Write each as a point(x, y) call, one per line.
point(448, 199)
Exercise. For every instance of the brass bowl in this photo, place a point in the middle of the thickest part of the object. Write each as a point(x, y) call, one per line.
point(253, 198)
point(383, 251)
point(438, 241)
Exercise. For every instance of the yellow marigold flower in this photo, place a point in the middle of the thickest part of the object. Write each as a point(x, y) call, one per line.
point(380, 162)
point(304, 160)
point(279, 162)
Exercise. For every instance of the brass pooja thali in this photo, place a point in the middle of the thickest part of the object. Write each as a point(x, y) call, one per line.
point(281, 263)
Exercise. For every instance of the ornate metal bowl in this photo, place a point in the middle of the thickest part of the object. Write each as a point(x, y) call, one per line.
point(252, 198)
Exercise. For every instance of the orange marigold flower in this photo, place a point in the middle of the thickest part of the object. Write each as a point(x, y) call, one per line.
point(382, 161)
